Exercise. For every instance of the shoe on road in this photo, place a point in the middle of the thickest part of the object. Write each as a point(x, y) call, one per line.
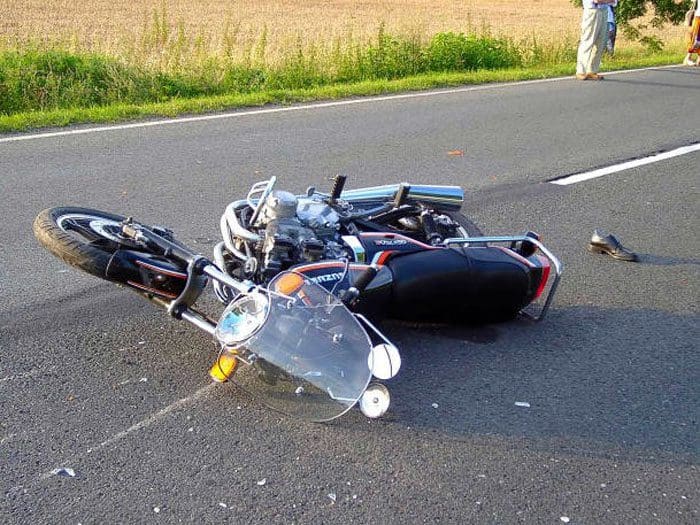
point(609, 245)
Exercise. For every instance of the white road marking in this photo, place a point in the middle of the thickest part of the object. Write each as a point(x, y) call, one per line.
point(301, 107)
point(580, 177)
point(141, 424)
point(25, 375)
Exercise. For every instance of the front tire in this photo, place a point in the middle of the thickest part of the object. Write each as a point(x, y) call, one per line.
point(81, 237)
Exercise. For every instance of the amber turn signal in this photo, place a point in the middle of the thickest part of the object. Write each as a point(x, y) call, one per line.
point(223, 369)
point(289, 283)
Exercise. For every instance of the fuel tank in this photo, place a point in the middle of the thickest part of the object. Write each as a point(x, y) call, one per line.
point(332, 275)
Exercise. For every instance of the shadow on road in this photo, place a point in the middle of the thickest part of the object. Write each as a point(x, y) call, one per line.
point(646, 83)
point(597, 381)
point(658, 260)
point(594, 378)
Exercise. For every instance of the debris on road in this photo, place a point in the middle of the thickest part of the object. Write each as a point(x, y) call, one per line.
point(262, 482)
point(332, 496)
point(63, 471)
point(435, 405)
point(523, 404)
point(565, 519)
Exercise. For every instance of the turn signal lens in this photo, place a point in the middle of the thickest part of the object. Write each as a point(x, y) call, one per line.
point(289, 283)
point(544, 278)
point(224, 368)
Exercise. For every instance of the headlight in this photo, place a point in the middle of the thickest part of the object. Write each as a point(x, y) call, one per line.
point(242, 318)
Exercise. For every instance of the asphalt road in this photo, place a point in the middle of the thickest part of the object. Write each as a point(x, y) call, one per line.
point(96, 379)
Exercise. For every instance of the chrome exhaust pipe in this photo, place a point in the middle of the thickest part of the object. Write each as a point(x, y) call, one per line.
point(444, 198)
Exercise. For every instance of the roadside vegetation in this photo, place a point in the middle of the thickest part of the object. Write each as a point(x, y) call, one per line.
point(164, 70)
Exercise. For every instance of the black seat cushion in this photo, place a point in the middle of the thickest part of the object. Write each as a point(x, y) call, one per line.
point(473, 284)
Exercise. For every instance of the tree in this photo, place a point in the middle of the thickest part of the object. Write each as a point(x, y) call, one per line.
point(665, 11)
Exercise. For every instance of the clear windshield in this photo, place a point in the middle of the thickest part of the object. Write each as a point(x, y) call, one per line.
point(311, 357)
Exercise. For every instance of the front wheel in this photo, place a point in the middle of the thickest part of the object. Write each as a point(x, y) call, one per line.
point(81, 237)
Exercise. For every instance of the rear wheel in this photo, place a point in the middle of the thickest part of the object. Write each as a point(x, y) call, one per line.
point(81, 237)
point(467, 227)
point(456, 225)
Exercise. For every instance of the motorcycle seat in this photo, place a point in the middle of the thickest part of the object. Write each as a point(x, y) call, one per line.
point(472, 284)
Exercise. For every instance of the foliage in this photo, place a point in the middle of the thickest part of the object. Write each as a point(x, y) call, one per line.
point(624, 59)
point(450, 51)
point(36, 79)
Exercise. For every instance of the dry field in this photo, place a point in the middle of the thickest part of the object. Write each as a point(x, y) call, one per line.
point(136, 29)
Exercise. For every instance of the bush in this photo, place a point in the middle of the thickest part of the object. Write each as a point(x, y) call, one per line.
point(57, 79)
point(392, 58)
point(51, 79)
point(455, 52)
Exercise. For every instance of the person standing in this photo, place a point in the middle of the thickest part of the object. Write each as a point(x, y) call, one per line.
point(594, 35)
point(612, 29)
point(694, 36)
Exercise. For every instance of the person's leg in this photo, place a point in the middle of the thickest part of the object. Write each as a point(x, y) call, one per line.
point(696, 39)
point(600, 29)
point(693, 45)
point(585, 47)
point(612, 36)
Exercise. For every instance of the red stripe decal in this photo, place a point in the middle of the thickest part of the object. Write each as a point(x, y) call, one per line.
point(151, 290)
point(321, 266)
point(384, 256)
point(516, 256)
point(158, 269)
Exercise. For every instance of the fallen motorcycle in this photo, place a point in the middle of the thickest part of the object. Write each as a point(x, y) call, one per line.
point(304, 278)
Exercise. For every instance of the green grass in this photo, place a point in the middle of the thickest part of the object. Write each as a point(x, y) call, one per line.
point(40, 88)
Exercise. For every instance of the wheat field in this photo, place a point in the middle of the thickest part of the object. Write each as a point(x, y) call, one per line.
point(141, 31)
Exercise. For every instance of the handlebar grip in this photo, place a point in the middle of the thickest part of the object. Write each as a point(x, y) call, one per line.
point(401, 195)
point(365, 278)
point(338, 185)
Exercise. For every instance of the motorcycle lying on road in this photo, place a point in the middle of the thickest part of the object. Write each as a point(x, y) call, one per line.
point(304, 278)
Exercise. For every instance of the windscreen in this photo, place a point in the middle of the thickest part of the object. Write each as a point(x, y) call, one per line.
point(311, 357)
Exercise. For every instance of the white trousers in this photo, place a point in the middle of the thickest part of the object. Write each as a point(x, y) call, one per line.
point(594, 34)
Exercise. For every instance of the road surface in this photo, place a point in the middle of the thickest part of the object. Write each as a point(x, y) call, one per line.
point(97, 380)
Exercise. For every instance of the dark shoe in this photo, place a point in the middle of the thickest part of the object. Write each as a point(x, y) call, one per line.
point(602, 243)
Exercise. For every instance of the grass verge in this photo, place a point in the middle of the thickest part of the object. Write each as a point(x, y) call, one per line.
point(114, 112)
